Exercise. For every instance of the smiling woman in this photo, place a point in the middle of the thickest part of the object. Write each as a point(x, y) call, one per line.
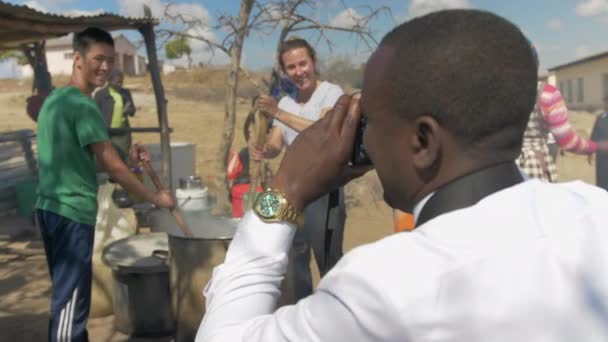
point(324, 219)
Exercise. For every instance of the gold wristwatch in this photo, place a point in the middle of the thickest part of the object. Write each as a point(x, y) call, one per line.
point(272, 206)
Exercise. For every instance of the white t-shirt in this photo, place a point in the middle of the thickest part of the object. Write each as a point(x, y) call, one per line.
point(325, 96)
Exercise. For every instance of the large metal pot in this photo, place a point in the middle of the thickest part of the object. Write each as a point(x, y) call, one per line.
point(141, 301)
point(191, 262)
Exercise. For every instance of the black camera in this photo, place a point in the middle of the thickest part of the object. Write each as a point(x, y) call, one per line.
point(360, 156)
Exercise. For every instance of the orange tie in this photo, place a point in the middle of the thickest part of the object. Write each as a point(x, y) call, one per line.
point(402, 221)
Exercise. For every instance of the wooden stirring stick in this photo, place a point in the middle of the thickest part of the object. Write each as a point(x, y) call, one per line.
point(176, 213)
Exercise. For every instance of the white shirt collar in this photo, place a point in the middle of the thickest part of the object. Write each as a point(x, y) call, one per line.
point(418, 206)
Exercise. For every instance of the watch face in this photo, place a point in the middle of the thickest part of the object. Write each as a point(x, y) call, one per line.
point(268, 205)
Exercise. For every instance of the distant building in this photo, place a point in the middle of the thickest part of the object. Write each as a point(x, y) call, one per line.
point(59, 57)
point(167, 68)
point(583, 82)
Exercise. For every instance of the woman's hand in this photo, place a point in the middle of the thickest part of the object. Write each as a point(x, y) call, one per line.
point(267, 104)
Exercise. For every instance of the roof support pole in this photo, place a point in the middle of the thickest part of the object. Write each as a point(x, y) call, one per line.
point(161, 102)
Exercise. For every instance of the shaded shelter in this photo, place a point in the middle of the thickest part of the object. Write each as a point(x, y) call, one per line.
point(26, 29)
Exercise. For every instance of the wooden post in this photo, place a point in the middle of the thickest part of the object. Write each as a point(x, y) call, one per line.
point(161, 102)
point(36, 57)
point(256, 168)
point(223, 205)
point(30, 158)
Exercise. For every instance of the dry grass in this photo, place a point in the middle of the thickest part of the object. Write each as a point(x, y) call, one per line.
point(207, 84)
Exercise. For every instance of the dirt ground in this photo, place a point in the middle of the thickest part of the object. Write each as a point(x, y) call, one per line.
point(24, 280)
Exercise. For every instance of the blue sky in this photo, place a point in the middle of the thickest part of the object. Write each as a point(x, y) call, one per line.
point(562, 30)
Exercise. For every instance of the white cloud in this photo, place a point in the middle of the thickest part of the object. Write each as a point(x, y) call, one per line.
point(135, 8)
point(55, 6)
point(554, 24)
point(421, 7)
point(79, 13)
point(274, 12)
point(36, 5)
point(348, 18)
point(203, 32)
point(201, 51)
point(190, 12)
point(592, 8)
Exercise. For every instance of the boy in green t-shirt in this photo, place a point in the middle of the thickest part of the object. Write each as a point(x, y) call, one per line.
point(71, 135)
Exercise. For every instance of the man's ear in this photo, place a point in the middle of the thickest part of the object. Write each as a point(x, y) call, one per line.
point(426, 142)
point(78, 59)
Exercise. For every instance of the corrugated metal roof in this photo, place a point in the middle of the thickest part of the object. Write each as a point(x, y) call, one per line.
point(66, 41)
point(62, 41)
point(21, 24)
point(580, 61)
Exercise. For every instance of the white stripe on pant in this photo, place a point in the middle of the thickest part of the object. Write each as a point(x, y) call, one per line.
point(64, 332)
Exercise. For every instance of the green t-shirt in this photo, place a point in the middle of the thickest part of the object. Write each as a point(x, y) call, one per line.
point(68, 123)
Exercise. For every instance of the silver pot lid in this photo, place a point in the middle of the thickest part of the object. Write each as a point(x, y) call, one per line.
point(202, 223)
point(143, 253)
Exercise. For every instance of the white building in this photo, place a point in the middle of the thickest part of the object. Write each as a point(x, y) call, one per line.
point(584, 82)
point(59, 57)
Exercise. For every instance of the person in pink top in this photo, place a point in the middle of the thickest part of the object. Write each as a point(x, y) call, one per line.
point(555, 113)
point(550, 116)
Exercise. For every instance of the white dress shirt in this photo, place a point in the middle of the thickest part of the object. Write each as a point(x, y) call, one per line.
point(528, 263)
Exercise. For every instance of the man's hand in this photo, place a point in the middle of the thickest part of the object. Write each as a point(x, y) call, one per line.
point(317, 162)
point(139, 154)
point(164, 199)
point(111, 162)
point(267, 104)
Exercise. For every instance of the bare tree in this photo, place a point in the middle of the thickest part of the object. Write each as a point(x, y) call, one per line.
point(265, 18)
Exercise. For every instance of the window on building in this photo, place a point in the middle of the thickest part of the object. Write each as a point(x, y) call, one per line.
point(569, 91)
point(561, 87)
point(580, 87)
point(68, 55)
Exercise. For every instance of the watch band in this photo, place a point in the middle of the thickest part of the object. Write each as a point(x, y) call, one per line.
point(294, 215)
point(285, 213)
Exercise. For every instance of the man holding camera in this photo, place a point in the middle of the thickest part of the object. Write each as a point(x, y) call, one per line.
point(471, 271)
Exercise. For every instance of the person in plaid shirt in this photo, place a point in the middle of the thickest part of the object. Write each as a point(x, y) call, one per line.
point(550, 116)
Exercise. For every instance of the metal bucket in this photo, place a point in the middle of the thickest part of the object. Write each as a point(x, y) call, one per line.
point(191, 262)
point(142, 299)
